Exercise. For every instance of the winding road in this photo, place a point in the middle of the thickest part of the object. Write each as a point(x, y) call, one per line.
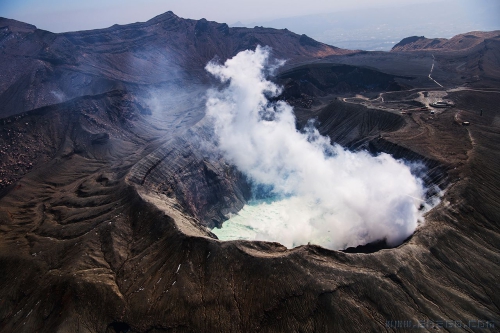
point(432, 68)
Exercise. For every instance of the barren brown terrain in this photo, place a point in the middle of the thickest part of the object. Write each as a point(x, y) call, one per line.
point(110, 183)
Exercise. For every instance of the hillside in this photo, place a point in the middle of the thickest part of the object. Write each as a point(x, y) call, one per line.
point(39, 68)
point(110, 178)
point(460, 42)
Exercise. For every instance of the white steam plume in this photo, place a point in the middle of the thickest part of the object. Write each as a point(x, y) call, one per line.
point(329, 196)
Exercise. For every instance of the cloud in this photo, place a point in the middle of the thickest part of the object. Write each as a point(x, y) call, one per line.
point(322, 193)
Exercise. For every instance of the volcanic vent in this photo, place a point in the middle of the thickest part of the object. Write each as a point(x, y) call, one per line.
point(82, 250)
point(253, 168)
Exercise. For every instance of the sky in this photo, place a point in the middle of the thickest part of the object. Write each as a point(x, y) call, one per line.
point(355, 24)
point(379, 29)
point(61, 15)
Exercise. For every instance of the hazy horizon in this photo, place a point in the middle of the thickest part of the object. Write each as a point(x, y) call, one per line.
point(359, 24)
point(361, 29)
point(61, 16)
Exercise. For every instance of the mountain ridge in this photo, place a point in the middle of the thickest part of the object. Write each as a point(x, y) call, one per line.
point(110, 175)
point(460, 42)
point(158, 51)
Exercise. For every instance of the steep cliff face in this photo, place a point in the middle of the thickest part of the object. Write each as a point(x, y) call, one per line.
point(189, 170)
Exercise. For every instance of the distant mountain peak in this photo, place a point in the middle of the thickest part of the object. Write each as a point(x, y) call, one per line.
point(459, 42)
point(238, 24)
point(163, 17)
point(408, 40)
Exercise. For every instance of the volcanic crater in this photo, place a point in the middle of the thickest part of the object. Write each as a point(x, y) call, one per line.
point(111, 182)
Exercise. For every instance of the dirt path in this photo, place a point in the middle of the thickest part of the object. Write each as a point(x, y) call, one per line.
point(432, 68)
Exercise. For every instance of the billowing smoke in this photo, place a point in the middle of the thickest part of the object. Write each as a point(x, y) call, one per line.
point(323, 194)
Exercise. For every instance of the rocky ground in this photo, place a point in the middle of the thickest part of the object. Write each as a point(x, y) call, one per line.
point(106, 194)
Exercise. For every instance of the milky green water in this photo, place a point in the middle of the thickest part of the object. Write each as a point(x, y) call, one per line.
point(239, 225)
point(283, 221)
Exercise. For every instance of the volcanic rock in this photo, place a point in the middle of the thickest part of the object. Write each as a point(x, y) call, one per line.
point(41, 68)
point(110, 177)
point(457, 43)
